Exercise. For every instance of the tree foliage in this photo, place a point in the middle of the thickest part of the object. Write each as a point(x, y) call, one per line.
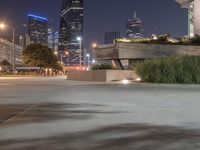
point(5, 63)
point(195, 40)
point(40, 56)
point(103, 66)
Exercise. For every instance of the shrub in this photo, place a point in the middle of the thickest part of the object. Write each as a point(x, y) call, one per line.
point(182, 69)
point(103, 66)
point(195, 40)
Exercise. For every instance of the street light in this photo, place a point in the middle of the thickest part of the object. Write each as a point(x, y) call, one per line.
point(80, 50)
point(93, 61)
point(66, 53)
point(94, 45)
point(61, 55)
point(3, 26)
point(56, 52)
point(88, 56)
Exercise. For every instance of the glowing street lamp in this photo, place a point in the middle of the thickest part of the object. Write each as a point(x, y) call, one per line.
point(66, 53)
point(93, 61)
point(94, 45)
point(79, 38)
point(2, 26)
point(56, 52)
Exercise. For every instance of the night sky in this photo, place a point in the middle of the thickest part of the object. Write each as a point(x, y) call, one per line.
point(103, 15)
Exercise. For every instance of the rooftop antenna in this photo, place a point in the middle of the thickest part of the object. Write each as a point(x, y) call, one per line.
point(135, 15)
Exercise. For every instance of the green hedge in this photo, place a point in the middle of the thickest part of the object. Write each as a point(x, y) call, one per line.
point(183, 69)
point(103, 66)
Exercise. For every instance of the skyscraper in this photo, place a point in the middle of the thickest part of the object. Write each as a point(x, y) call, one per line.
point(23, 40)
point(71, 27)
point(134, 27)
point(38, 29)
point(193, 7)
point(53, 37)
point(109, 37)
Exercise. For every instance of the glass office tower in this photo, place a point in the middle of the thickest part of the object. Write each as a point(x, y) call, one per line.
point(134, 27)
point(71, 27)
point(38, 29)
point(109, 37)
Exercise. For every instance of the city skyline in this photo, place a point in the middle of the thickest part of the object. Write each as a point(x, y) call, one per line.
point(170, 19)
point(94, 75)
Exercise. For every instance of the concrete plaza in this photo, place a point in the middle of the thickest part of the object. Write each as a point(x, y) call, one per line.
point(56, 114)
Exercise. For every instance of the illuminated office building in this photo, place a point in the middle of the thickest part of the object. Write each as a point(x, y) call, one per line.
point(23, 40)
point(71, 27)
point(38, 29)
point(134, 27)
point(6, 52)
point(53, 37)
point(110, 37)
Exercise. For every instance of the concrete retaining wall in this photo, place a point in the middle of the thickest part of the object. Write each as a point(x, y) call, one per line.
point(101, 75)
point(129, 51)
point(145, 51)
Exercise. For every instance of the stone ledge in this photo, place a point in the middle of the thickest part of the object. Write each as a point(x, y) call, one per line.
point(101, 75)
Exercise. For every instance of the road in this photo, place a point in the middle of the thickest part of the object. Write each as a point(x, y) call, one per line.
point(56, 114)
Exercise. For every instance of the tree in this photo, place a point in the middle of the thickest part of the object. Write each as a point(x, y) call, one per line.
point(5, 63)
point(40, 56)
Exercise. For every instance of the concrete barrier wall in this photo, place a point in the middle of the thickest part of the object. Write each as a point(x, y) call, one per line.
point(143, 51)
point(101, 75)
point(87, 75)
point(138, 51)
point(106, 52)
point(120, 75)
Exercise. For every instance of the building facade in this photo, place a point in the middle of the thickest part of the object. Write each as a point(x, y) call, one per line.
point(109, 37)
point(193, 7)
point(6, 52)
point(53, 37)
point(134, 27)
point(23, 40)
point(38, 29)
point(71, 27)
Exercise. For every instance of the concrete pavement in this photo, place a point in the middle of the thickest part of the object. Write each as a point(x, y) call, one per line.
point(56, 114)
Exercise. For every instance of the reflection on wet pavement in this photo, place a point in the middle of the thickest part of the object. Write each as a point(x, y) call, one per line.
point(116, 137)
point(45, 112)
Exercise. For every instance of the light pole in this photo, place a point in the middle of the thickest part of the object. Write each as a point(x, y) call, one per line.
point(14, 51)
point(80, 51)
point(94, 45)
point(3, 26)
point(88, 57)
point(61, 55)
